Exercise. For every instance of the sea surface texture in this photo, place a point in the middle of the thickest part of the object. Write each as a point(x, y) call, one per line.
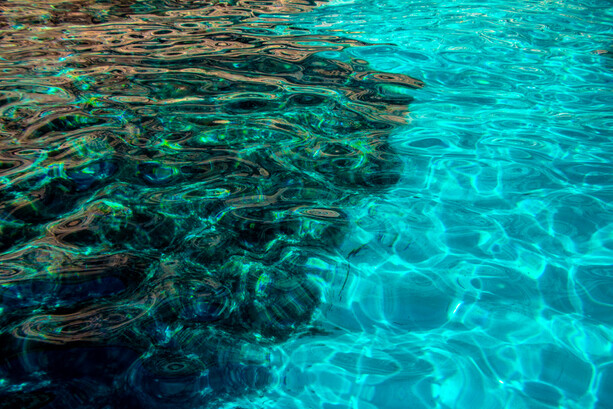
point(288, 204)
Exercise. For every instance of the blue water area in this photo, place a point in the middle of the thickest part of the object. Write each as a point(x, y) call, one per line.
point(291, 204)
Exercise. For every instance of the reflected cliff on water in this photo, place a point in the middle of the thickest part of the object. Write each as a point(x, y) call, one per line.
point(170, 176)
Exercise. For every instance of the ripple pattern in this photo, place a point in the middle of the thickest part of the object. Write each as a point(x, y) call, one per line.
point(483, 274)
point(171, 175)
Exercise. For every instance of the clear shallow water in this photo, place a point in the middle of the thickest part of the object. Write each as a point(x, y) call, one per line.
point(472, 271)
point(482, 279)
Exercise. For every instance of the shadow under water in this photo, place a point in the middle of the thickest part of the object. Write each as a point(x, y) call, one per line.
point(168, 177)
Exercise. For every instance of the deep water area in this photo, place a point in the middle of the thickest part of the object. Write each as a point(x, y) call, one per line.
point(172, 174)
point(344, 204)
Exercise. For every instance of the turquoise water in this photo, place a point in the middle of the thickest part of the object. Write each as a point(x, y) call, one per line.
point(483, 278)
point(352, 204)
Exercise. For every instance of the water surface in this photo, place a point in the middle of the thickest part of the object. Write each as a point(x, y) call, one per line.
point(298, 204)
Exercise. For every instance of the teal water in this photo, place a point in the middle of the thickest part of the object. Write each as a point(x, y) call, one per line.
point(224, 208)
point(483, 278)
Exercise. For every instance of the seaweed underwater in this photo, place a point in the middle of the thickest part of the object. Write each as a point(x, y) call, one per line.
point(168, 173)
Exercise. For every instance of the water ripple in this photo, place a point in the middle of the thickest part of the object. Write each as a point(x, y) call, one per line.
point(172, 175)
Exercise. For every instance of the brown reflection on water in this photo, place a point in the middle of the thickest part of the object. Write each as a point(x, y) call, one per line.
point(176, 164)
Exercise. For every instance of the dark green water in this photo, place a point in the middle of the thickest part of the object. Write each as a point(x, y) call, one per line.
point(171, 173)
